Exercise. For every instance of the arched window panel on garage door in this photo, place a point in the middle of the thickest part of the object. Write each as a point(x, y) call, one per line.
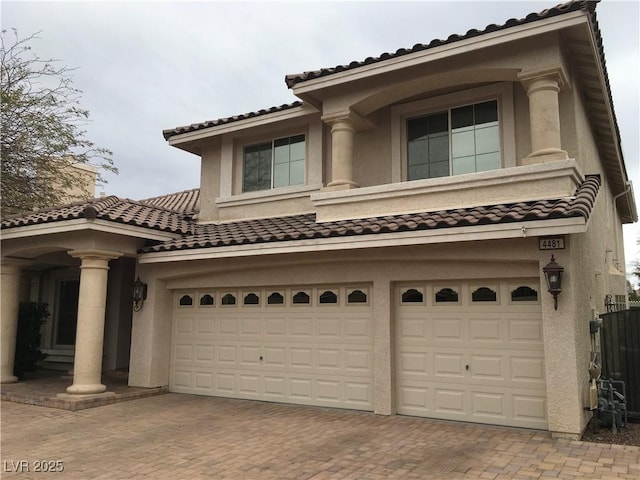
point(328, 297)
point(357, 297)
point(228, 300)
point(524, 293)
point(412, 295)
point(275, 298)
point(207, 300)
point(186, 300)
point(447, 295)
point(251, 299)
point(484, 294)
point(301, 298)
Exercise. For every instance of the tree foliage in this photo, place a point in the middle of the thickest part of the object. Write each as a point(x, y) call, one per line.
point(42, 130)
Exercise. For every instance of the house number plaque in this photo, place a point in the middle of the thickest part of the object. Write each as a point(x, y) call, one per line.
point(551, 243)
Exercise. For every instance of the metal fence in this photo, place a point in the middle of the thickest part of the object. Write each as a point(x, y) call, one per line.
point(620, 345)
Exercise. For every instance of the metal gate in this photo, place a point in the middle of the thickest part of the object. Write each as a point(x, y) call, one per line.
point(620, 345)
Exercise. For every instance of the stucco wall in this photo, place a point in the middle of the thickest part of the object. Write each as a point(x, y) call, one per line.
point(210, 179)
point(591, 265)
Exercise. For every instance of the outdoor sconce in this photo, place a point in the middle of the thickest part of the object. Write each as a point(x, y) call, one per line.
point(553, 275)
point(139, 294)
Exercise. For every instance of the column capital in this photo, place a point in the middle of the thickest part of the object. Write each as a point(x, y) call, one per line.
point(551, 78)
point(347, 117)
point(11, 265)
point(95, 254)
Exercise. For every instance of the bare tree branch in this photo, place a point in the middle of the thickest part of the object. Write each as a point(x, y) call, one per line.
point(41, 130)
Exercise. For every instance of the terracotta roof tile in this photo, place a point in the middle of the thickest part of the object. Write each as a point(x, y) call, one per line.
point(293, 79)
point(168, 133)
point(186, 202)
point(282, 229)
point(586, 5)
point(110, 208)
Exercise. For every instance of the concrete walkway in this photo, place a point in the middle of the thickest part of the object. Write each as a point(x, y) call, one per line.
point(177, 436)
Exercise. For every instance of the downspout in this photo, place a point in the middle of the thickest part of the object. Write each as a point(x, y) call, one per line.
point(615, 198)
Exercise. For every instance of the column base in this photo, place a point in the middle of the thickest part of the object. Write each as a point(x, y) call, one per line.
point(544, 156)
point(88, 396)
point(340, 185)
point(9, 379)
point(86, 389)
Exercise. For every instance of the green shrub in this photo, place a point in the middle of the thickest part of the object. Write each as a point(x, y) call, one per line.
point(31, 317)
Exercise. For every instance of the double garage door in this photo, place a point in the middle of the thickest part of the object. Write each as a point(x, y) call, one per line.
point(469, 351)
point(311, 346)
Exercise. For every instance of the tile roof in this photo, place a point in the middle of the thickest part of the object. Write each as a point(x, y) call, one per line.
point(168, 133)
point(186, 202)
point(572, 6)
point(293, 79)
point(109, 208)
point(303, 227)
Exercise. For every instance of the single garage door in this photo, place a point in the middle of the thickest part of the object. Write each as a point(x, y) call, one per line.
point(311, 346)
point(471, 351)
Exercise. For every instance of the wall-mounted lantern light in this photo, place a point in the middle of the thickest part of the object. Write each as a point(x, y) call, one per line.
point(139, 294)
point(553, 275)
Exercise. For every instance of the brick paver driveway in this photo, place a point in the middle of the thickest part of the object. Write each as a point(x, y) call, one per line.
point(189, 437)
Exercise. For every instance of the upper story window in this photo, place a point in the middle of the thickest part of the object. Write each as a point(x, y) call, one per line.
point(453, 142)
point(279, 163)
point(461, 132)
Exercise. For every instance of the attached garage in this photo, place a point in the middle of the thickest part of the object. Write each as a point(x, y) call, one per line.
point(307, 345)
point(471, 351)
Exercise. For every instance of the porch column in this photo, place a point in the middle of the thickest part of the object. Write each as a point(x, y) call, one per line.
point(87, 365)
point(542, 88)
point(342, 134)
point(10, 304)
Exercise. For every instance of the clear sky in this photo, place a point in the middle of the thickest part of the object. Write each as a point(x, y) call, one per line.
point(146, 66)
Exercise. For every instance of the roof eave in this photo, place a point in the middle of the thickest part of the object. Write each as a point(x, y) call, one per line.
point(501, 231)
point(80, 224)
point(305, 88)
point(190, 140)
point(612, 133)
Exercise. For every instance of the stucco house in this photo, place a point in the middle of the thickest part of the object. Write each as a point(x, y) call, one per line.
point(377, 245)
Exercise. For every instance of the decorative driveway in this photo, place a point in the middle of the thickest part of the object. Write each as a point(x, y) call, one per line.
point(189, 437)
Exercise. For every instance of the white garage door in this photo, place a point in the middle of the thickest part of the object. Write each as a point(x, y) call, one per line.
point(471, 351)
point(309, 346)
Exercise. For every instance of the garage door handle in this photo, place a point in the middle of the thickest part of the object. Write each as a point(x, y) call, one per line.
point(466, 367)
point(260, 357)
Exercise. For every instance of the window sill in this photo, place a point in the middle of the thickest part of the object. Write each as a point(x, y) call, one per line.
point(273, 195)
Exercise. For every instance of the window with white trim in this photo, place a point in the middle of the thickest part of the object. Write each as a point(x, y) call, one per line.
point(279, 163)
point(459, 140)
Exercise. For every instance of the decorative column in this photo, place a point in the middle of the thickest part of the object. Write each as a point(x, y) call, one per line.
point(542, 87)
point(342, 134)
point(10, 305)
point(87, 365)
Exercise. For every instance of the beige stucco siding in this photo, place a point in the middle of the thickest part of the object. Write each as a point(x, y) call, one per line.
point(372, 152)
point(210, 179)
